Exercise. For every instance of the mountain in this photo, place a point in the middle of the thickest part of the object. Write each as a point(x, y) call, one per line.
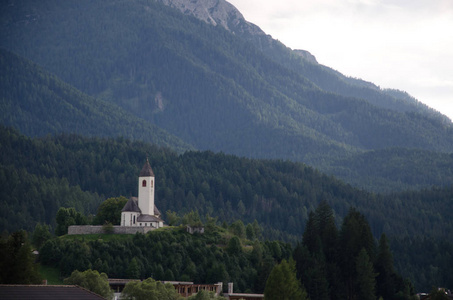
point(222, 13)
point(37, 103)
point(220, 83)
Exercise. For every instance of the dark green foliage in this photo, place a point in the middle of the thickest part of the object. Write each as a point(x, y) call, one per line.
point(394, 169)
point(40, 235)
point(149, 289)
point(385, 269)
point(355, 235)
point(92, 281)
point(66, 217)
point(204, 295)
point(110, 211)
point(366, 277)
point(17, 262)
point(346, 265)
point(234, 246)
point(166, 255)
point(283, 283)
point(426, 261)
point(133, 270)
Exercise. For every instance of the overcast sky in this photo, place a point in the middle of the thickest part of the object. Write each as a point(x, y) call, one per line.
point(401, 44)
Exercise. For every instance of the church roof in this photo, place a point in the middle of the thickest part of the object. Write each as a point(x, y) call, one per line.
point(148, 218)
point(156, 211)
point(146, 170)
point(132, 205)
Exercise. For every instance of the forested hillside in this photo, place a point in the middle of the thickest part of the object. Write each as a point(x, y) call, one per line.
point(41, 174)
point(222, 13)
point(37, 103)
point(219, 91)
point(278, 194)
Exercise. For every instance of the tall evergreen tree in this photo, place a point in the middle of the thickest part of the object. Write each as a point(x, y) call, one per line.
point(311, 238)
point(327, 229)
point(355, 235)
point(283, 284)
point(384, 266)
point(17, 260)
point(366, 277)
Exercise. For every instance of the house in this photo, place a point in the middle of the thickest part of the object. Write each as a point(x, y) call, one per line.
point(243, 296)
point(185, 289)
point(48, 292)
point(195, 229)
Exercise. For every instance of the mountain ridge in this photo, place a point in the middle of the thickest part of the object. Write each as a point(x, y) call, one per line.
point(221, 12)
point(240, 93)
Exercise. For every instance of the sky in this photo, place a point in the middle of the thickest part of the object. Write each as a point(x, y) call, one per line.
point(399, 44)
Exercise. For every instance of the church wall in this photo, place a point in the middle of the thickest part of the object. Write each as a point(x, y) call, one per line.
point(88, 229)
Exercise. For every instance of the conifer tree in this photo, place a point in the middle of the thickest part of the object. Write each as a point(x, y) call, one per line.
point(283, 284)
point(17, 261)
point(384, 266)
point(366, 277)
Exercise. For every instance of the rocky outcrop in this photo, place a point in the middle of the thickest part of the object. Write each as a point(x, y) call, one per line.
point(215, 12)
point(223, 13)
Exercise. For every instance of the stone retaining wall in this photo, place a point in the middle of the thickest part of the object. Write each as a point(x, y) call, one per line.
point(89, 229)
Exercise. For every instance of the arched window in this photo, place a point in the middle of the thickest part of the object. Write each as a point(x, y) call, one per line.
point(134, 219)
point(144, 183)
point(152, 184)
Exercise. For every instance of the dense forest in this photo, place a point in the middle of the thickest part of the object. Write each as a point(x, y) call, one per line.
point(219, 91)
point(40, 175)
point(38, 103)
point(330, 263)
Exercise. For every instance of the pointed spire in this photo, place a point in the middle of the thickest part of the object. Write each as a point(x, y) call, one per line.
point(146, 170)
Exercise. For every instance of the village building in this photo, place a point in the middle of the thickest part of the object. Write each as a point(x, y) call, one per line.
point(139, 215)
point(141, 211)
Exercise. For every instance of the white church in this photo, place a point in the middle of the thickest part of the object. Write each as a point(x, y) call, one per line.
point(141, 211)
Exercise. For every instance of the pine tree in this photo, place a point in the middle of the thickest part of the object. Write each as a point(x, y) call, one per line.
point(283, 284)
point(366, 277)
point(384, 266)
point(355, 234)
point(133, 270)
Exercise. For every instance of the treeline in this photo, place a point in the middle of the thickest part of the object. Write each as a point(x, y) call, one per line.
point(171, 255)
point(394, 170)
point(278, 194)
point(40, 175)
point(330, 263)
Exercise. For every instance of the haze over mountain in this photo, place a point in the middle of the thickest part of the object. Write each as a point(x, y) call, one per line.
point(224, 85)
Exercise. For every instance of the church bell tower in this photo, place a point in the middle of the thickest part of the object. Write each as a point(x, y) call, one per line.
point(146, 188)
